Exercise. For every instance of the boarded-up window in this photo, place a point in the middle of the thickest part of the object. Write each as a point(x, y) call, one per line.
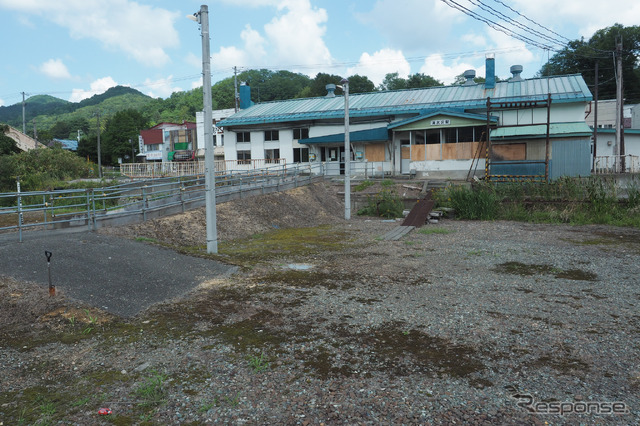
point(417, 152)
point(374, 152)
point(509, 152)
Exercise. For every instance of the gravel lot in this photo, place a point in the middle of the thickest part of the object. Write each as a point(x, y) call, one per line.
point(334, 325)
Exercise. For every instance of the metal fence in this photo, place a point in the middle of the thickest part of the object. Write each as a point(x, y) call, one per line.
point(612, 164)
point(141, 200)
point(191, 168)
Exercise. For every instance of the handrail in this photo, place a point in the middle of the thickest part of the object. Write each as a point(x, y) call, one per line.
point(86, 207)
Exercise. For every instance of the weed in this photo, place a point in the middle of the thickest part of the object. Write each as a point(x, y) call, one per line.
point(145, 417)
point(386, 204)
point(72, 320)
point(93, 321)
point(235, 401)
point(363, 185)
point(208, 405)
point(387, 183)
point(81, 402)
point(429, 230)
point(258, 364)
point(152, 391)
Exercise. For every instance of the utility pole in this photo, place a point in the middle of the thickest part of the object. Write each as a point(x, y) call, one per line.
point(24, 116)
point(595, 120)
point(99, 156)
point(619, 105)
point(35, 130)
point(235, 85)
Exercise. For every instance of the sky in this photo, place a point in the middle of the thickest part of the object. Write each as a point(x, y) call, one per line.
point(74, 49)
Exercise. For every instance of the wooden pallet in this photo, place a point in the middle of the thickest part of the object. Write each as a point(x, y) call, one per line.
point(396, 233)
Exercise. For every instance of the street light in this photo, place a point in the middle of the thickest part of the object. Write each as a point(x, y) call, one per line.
point(344, 85)
point(202, 18)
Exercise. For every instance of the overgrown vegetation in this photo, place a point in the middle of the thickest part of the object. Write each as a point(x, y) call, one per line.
point(41, 169)
point(594, 199)
point(386, 203)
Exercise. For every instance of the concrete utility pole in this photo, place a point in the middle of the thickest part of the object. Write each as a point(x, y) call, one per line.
point(35, 130)
point(202, 18)
point(347, 152)
point(24, 116)
point(595, 120)
point(618, 104)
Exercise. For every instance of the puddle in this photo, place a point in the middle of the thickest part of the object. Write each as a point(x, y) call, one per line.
point(299, 266)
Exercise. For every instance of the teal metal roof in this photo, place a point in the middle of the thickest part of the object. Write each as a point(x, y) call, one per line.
point(540, 130)
point(451, 113)
point(372, 135)
point(568, 88)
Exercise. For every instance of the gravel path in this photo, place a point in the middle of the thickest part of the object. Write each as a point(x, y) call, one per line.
point(444, 326)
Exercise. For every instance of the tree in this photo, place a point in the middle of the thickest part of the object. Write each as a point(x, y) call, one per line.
point(360, 84)
point(393, 81)
point(119, 129)
point(580, 56)
point(419, 80)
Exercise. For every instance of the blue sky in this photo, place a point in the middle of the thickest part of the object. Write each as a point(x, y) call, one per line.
point(74, 49)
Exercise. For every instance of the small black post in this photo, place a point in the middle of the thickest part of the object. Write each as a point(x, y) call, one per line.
point(52, 288)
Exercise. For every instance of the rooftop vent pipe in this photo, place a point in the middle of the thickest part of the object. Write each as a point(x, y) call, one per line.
point(490, 64)
point(331, 88)
point(469, 75)
point(516, 70)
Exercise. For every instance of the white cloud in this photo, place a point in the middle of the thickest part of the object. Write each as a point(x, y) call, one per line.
point(161, 88)
point(1, 102)
point(55, 68)
point(435, 66)
point(252, 53)
point(381, 63)
point(413, 25)
point(142, 31)
point(587, 15)
point(97, 87)
point(295, 36)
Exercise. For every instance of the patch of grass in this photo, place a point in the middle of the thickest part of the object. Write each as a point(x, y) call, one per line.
point(152, 391)
point(279, 243)
point(363, 185)
point(258, 363)
point(429, 230)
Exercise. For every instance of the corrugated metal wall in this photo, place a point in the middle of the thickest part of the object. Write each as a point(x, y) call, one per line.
point(571, 157)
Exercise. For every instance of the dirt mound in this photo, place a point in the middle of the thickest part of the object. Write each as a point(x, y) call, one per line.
point(301, 207)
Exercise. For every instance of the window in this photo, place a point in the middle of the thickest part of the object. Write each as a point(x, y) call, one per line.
point(271, 155)
point(465, 134)
point(243, 137)
point(433, 136)
point(300, 155)
point(244, 157)
point(301, 133)
point(450, 135)
point(271, 135)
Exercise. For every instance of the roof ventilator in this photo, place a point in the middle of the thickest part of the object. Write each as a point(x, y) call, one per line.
point(331, 88)
point(516, 70)
point(469, 75)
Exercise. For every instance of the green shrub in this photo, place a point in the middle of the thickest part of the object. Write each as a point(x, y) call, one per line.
point(480, 202)
point(386, 204)
point(363, 185)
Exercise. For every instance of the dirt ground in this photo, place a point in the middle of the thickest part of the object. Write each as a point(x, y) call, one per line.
point(327, 323)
